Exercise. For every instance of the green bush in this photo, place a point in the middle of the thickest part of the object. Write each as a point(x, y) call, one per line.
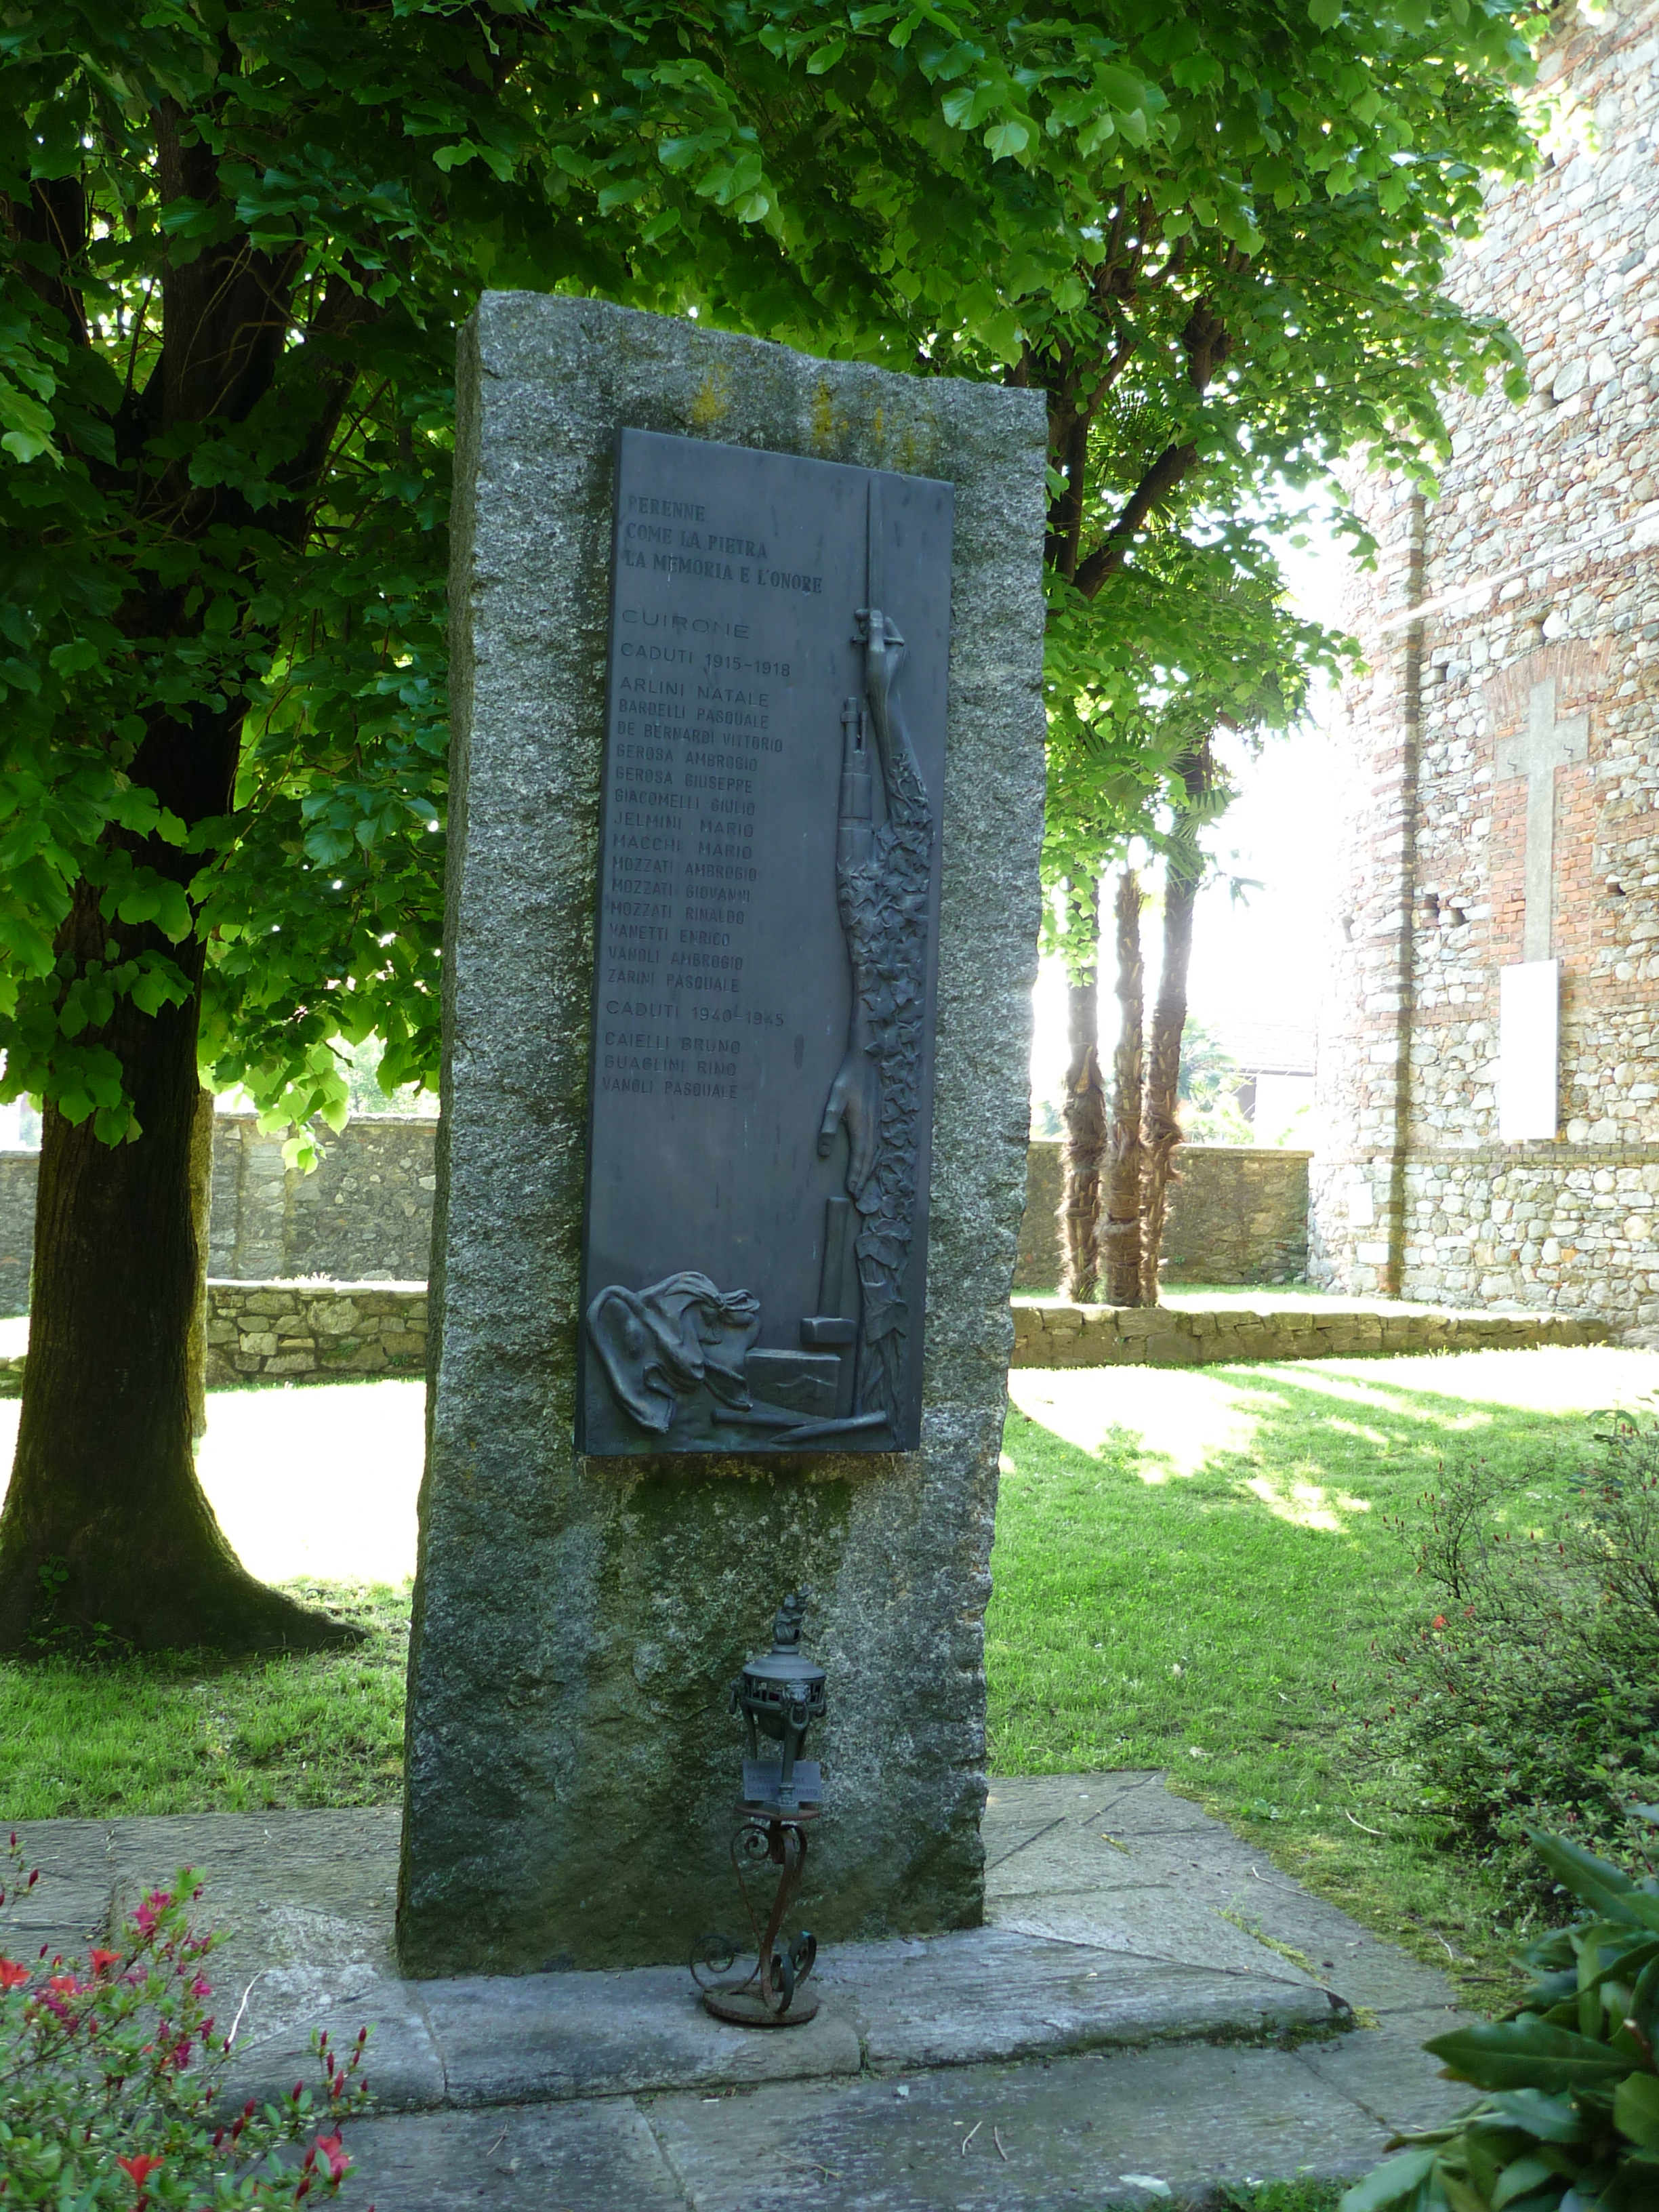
point(1530, 1697)
point(1569, 2122)
point(111, 2074)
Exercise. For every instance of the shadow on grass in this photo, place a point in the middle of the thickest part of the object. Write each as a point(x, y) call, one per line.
point(198, 1732)
point(1195, 1571)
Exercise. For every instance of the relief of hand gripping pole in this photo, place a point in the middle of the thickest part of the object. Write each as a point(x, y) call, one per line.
point(882, 870)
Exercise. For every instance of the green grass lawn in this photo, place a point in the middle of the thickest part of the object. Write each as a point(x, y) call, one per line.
point(189, 1733)
point(1192, 1571)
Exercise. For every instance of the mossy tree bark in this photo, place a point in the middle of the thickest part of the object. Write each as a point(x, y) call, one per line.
point(1162, 1122)
point(1084, 1151)
point(1120, 1231)
point(105, 1527)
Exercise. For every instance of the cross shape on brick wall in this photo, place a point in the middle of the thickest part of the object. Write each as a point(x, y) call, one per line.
point(1536, 752)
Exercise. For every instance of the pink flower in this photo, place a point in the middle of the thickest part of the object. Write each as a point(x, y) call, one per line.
point(198, 1988)
point(339, 2165)
point(150, 1911)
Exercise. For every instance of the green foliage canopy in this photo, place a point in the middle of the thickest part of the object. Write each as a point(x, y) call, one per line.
point(237, 243)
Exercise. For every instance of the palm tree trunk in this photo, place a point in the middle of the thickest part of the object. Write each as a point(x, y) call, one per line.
point(1085, 1113)
point(1121, 1234)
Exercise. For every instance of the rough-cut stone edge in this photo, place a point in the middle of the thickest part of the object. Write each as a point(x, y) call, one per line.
point(496, 1811)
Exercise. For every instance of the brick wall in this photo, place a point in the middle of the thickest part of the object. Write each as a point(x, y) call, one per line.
point(1538, 563)
point(1237, 1215)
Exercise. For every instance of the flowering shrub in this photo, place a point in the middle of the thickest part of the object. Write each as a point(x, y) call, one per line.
point(1528, 1697)
point(111, 2081)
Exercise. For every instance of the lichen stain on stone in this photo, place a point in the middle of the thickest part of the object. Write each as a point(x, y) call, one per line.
point(828, 428)
point(713, 402)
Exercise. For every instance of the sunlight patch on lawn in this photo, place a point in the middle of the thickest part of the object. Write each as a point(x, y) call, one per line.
point(317, 1481)
point(1185, 1416)
point(1552, 1378)
point(1306, 1504)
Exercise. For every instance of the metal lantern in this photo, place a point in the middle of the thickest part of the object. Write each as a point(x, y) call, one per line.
point(780, 1693)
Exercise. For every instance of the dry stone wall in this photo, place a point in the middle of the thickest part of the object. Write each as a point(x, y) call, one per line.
point(1053, 1335)
point(1537, 567)
point(1236, 1215)
point(313, 1332)
point(364, 1216)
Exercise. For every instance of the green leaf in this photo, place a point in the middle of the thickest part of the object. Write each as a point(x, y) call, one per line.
point(1519, 2179)
point(1326, 14)
point(1394, 2182)
point(1598, 1883)
point(1552, 2119)
point(1004, 140)
point(1635, 2109)
point(1527, 2053)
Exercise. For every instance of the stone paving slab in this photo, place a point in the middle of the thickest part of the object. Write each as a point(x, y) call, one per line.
point(1117, 2017)
point(1078, 2134)
point(534, 2036)
point(1093, 1944)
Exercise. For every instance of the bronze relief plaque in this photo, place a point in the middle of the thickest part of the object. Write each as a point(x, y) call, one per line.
point(765, 954)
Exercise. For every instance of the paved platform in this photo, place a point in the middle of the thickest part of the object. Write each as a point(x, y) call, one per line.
point(1149, 2003)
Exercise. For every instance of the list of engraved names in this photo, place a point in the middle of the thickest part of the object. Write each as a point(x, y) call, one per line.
point(702, 728)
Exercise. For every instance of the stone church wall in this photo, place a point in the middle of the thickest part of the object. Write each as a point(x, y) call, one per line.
point(1537, 565)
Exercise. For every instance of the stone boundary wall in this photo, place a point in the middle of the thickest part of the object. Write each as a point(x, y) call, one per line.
point(1162, 1336)
point(364, 1216)
point(332, 1332)
point(1238, 1214)
point(313, 1332)
point(17, 1175)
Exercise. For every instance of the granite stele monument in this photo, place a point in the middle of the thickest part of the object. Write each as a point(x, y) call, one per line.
point(742, 914)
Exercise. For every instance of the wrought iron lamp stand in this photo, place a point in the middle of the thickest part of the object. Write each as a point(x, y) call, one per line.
point(769, 1995)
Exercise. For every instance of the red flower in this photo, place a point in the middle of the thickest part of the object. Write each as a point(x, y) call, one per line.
point(103, 1961)
point(339, 2165)
point(12, 1976)
point(1439, 1621)
point(138, 2170)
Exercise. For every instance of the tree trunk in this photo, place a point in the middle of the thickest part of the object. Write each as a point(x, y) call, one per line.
point(1085, 1149)
point(104, 1526)
point(1163, 1129)
point(201, 1218)
point(1121, 1234)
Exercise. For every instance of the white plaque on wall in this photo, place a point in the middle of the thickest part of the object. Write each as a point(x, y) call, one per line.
point(1528, 1050)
